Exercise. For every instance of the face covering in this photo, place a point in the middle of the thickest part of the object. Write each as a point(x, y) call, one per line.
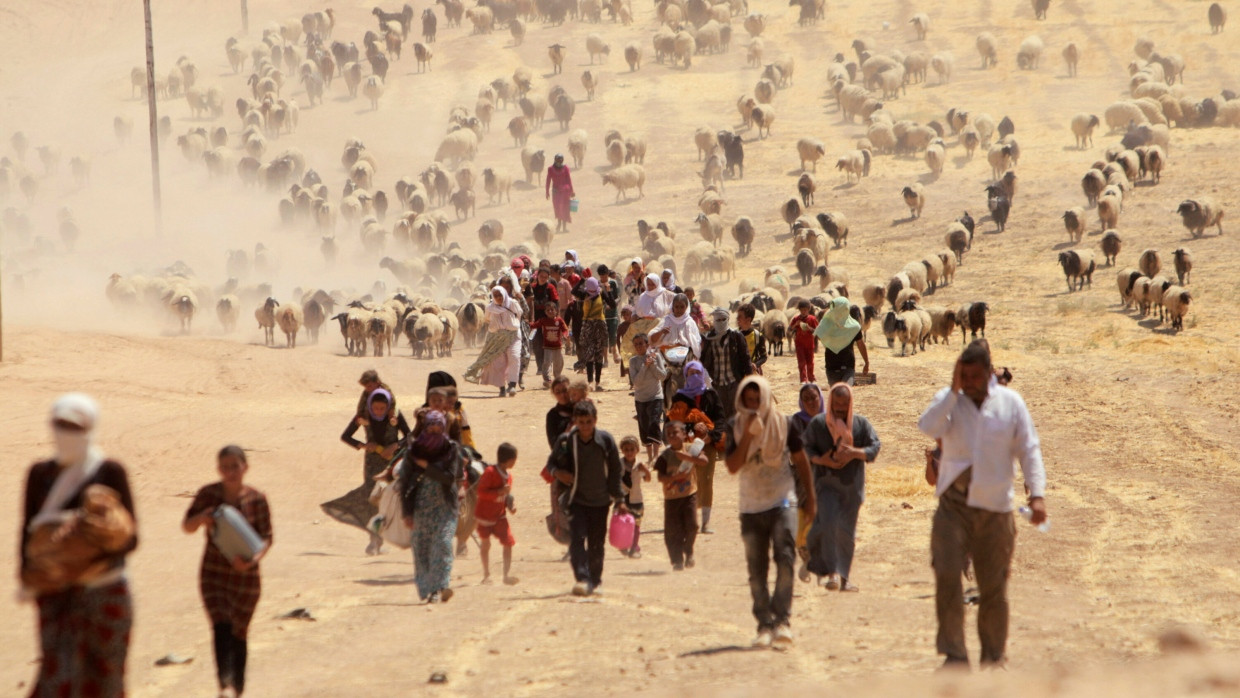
point(720, 326)
point(71, 446)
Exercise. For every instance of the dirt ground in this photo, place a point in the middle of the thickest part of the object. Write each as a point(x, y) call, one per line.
point(1138, 424)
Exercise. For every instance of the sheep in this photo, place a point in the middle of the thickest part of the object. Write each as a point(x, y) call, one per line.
point(1183, 265)
point(532, 161)
point(497, 185)
point(912, 327)
point(810, 150)
point(972, 318)
point(942, 323)
point(425, 332)
point(855, 163)
point(915, 198)
point(806, 187)
point(228, 310)
point(936, 156)
point(1150, 263)
point(763, 116)
point(683, 48)
point(948, 259)
point(1176, 300)
point(1110, 244)
point(704, 138)
point(957, 240)
point(743, 234)
point(805, 266)
point(1199, 214)
point(596, 47)
point(1074, 223)
point(711, 227)
point(1071, 56)
point(1029, 53)
point(1078, 268)
point(635, 151)
point(1000, 207)
point(895, 285)
point(987, 49)
point(835, 225)
point(1039, 8)
point(1083, 126)
point(564, 108)
point(710, 201)
point(791, 211)
point(266, 317)
point(921, 24)
point(1153, 160)
point(1127, 280)
point(1120, 114)
point(289, 318)
point(1000, 158)
point(1092, 185)
point(626, 177)
point(1217, 16)
point(721, 261)
point(1108, 211)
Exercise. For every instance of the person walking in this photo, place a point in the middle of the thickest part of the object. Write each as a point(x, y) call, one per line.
point(982, 426)
point(587, 461)
point(839, 443)
point(538, 294)
point(753, 338)
point(802, 327)
point(383, 437)
point(431, 493)
point(725, 354)
point(559, 186)
point(698, 406)
point(592, 342)
point(647, 370)
point(677, 470)
point(763, 449)
point(230, 587)
point(839, 331)
point(499, 362)
point(73, 565)
point(812, 404)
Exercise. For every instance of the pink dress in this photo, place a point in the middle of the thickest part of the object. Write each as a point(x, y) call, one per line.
point(560, 186)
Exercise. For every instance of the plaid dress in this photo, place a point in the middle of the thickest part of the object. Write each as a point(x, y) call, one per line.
point(231, 596)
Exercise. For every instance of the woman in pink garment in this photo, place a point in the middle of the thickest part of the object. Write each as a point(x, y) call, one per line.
point(560, 186)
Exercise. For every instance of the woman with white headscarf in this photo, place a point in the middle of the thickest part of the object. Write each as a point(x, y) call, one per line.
point(677, 328)
point(499, 364)
point(649, 308)
point(77, 529)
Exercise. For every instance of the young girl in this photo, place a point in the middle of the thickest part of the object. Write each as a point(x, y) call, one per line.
point(230, 588)
point(430, 501)
point(631, 482)
point(697, 405)
point(592, 343)
point(677, 469)
point(384, 437)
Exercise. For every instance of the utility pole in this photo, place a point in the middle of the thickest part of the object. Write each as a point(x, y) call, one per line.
point(245, 17)
point(150, 101)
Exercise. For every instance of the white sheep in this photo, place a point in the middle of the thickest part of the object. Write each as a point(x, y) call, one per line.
point(915, 198)
point(921, 23)
point(853, 164)
point(1083, 126)
point(289, 317)
point(596, 47)
point(1029, 53)
point(1200, 213)
point(987, 48)
point(1074, 223)
point(1176, 300)
point(626, 177)
point(1108, 211)
point(810, 150)
point(936, 156)
point(942, 63)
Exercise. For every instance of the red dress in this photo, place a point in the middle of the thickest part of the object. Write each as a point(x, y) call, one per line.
point(560, 187)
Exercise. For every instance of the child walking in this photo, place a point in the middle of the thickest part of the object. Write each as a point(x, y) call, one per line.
point(647, 372)
point(495, 502)
point(677, 470)
point(631, 484)
point(802, 327)
point(553, 331)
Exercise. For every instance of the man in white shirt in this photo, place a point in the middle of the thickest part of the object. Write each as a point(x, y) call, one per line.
point(983, 427)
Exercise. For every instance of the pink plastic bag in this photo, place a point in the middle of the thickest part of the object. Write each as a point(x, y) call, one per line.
point(620, 532)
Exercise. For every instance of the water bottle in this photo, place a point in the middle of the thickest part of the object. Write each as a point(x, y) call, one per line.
point(1027, 514)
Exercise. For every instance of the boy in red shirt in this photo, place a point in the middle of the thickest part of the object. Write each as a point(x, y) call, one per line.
point(553, 335)
point(494, 504)
point(802, 328)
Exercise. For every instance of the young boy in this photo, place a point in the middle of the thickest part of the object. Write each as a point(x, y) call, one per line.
point(553, 330)
point(757, 343)
point(631, 482)
point(677, 471)
point(646, 372)
point(495, 502)
point(802, 328)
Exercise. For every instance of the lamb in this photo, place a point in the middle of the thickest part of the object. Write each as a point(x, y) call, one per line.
point(1199, 214)
point(972, 318)
point(856, 163)
point(1150, 263)
point(1217, 16)
point(289, 318)
point(373, 89)
point(626, 177)
point(266, 316)
point(227, 309)
point(806, 187)
point(915, 198)
point(1071, 56)
point(1074, 223)
point(987, 49)
point(810, 150)
point(1108, 212)
point(1110, 244)
point(1176, 300)
point(763, 116)
point(1083, 126)
point(743, 233)
point(1183, 265)
point(1029, 53)
point(948, 260)
point(1078, 268)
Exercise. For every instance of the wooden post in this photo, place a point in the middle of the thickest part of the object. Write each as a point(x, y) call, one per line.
point(245, 17)
point(150, 101)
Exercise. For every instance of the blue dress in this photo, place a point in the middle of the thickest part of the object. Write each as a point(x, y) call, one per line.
point(832, 538)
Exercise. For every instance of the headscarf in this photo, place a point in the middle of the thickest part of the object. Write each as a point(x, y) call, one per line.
point(438, 379)
point(671, 279)
point(841, 430)
point(837, 329)
point(592, 287)
point(370, 403)
point(771, 443)
point(517, 264)
point(78, 457)
point(804, 414)
point(681, 328)
point(656, 303)
point(427, 440)
point(698, 384)
point(720, 317)
point(572, 254)
point(526, 261)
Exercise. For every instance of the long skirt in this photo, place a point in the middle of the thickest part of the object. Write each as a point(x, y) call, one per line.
point(84, 636)
point(833, 537)
point(559, 201)
point(230, 596)
point(636, 327)
point(593, 343)
point(492, 367)
point(434, 528)
point(354, 508)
